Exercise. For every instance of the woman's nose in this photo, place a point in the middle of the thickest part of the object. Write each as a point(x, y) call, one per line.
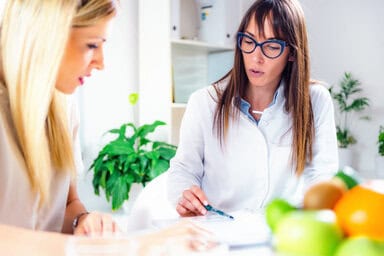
point(257, 54)
point(98, 60)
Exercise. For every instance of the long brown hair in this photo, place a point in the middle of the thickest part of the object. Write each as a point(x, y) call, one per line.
point(288, 24)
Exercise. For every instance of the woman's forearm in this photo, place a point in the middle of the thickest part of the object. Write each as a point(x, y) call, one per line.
point(73, 209)
point(19, 241)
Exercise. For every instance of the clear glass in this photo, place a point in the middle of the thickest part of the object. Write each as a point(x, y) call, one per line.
point(91, 246)
point(143, 246)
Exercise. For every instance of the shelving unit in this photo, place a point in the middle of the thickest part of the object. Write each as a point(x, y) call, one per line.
point(170, 69)
point(191, 71)
point(197, 46)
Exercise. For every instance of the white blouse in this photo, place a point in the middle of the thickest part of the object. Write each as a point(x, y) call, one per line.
point(18, 205)
point(254, 166)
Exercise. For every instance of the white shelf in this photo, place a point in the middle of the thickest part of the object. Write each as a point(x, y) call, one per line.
point(200, 46)
point(177, 112)
point(179, 105)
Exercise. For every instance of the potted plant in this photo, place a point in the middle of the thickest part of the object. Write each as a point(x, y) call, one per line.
point(130, 158)
point(379, 167)
point(348, 101)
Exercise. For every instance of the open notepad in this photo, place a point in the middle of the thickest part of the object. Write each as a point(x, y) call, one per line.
point(247, 227)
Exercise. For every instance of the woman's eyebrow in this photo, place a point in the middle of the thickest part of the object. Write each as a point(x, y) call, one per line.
point(97, 37)
point(249, 33)
point(252, 35)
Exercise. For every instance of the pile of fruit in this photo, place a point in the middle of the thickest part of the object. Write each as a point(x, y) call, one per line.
point(339, 217)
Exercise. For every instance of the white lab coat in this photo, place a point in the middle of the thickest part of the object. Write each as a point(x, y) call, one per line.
point(254, 166)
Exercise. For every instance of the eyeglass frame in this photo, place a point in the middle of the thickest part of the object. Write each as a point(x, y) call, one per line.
point(282, 43)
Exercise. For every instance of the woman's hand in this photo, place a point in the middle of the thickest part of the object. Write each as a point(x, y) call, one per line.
point(96, 224)
point(178, 239)
point(192, 202)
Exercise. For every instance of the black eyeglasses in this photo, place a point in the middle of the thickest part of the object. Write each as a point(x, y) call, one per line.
point(270, 48)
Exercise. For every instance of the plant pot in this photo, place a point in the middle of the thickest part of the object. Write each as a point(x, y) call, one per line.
point(346, 157)
point(134, 192)
point(379, 167)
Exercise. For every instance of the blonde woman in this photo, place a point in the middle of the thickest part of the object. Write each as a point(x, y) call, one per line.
point(47, 49)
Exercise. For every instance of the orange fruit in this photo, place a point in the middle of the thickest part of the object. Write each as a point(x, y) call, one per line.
point(360, 210)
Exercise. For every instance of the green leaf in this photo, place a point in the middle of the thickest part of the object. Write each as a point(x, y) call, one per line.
point(117, 131)
point(111, 183)
point(130, 178)
point(357, 105)
point(135, 171)
point(160, 167)
point(118, 148)
point(120, 193)
point(167, 153)
point(120, 131)
point(152, 154)
point(144, 130)
point(96, 185)
point(381, 140)
point(98, 161)
point(144, 162)
point(103, 179)
point(133, 127)
point(344, 138)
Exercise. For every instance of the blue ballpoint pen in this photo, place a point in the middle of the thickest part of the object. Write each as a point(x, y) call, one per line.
point(219, 212)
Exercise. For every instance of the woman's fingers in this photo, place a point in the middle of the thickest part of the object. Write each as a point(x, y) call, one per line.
point(198, 192)
point(96, 224)
point(183, 210)
point(178, 239)
point(192, 202)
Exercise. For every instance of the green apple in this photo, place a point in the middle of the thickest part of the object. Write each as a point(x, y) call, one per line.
point(306, 232)
point(357, 246)
point(275, 210)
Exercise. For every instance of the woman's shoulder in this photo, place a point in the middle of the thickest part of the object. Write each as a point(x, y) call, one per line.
point(209, 94)
point(321, 99)
point(319, 91)
point(202, 98)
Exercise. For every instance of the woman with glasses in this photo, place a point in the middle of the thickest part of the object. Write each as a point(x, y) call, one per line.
point(264, 130)
point(47, 49)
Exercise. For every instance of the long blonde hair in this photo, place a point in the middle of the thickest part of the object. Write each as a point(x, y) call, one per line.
point(33, 37)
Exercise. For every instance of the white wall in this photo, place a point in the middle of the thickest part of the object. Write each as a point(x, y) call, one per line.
point(155, 62)
point(103, 99)
point(347, 35)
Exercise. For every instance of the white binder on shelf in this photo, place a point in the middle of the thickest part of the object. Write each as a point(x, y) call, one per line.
point(184, 19)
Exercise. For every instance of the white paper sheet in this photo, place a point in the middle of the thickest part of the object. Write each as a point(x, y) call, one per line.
point(247, 227)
